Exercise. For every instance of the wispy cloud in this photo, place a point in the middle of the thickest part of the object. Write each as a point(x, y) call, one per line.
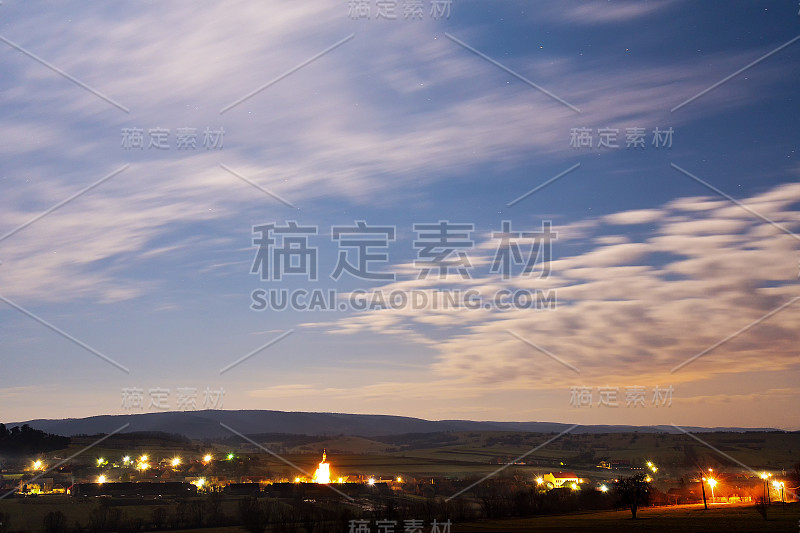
point(629, 311)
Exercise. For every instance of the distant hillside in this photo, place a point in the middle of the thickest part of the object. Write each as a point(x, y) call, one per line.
point(206, 424)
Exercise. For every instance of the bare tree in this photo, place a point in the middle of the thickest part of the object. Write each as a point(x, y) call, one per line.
point(633, 492)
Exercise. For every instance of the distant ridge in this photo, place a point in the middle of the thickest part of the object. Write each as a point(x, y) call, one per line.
point(206, 424)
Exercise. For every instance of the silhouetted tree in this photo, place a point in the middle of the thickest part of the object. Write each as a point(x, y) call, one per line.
point(761, 507)
point(54, 522)
point(633, 492)
point(253, 516)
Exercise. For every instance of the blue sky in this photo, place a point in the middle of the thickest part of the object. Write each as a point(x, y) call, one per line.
point(403, 123)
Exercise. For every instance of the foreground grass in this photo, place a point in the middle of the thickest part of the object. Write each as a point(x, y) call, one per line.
point(690, 518)
point(685, 519)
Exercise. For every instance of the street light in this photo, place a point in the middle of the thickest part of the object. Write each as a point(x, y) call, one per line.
point(603, 488)
point(712, 483)
point(779, 485)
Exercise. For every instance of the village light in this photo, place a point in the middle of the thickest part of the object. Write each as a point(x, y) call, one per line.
point(574, 486)
point(176, 461)
point(323, 472)
point(126, 459)
point(143, 459)
point(539, 480)
point(371, 481)
point(101, 479)
point(37, 465)
point(603, 488)
point(230, 456)
point(207, 458)
point(100, 461)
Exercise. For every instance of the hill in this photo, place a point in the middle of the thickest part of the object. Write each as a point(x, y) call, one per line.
point(207, 424)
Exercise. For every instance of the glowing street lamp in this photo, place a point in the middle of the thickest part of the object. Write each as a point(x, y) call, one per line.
point(779, 486)
point(100, 461)
point(574, 486)
point(207, 458)
point(712, 483)
point(765, 476)
point(37, 465)
point(230, 456)
point(126, 459)
point(176, 462)
point(539, 480)
point(371, 481)
point(603, 488)
point(101, 479)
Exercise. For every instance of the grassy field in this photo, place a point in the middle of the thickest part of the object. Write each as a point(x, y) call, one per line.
point(718, 518)
point(686, 519)
point(27, 514)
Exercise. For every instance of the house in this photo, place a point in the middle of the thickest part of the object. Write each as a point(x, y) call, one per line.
point(560, 479)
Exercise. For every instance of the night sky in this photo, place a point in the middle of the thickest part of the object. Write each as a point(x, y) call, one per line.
point(672, 270)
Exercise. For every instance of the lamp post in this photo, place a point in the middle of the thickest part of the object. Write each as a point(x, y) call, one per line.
point(779, 485)
point(703, 488)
